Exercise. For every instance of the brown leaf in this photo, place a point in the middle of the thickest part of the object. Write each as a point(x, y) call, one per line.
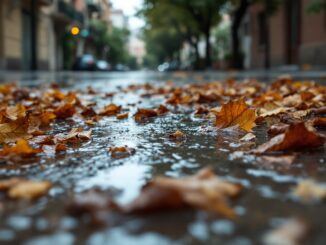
point(236, 113)
point(75, 135)
point(203, 191)
point(15, 112)
point(142, 113)
point(29, 189)
point(121, 152)
point(177, 135)
point(22, 148)
point(122, 116)
point(10, 132)
point(297, 136)
point(110, 110)
point(64, 111)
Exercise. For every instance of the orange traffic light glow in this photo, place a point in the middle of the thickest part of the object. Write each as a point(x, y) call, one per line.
point(75, 31)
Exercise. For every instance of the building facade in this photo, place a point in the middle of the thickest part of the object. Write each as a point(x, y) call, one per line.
point(31, 32)
point(291, 36)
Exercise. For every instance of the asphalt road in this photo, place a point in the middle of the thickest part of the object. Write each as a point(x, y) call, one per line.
point(265, 202)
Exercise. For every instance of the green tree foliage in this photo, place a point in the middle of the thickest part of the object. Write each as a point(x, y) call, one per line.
point(110, 45)
point(189, 19)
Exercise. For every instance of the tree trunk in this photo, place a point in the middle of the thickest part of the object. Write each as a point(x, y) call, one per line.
point(208, 62)
point(240, 12)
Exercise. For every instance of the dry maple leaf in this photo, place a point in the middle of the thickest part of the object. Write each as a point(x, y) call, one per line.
point(236, 113)
point(297, 136)
point(203, 191)
point(10, 132)
point(22, 148)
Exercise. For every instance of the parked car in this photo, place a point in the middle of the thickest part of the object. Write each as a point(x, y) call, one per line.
point(103, 65)
point(85, 62)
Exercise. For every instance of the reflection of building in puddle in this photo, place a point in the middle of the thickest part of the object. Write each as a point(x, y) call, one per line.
point(128, 178)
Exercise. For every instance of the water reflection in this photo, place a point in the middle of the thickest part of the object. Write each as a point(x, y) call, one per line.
point(128, 177)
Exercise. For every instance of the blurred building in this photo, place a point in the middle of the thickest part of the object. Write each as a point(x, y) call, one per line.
point(118, 19)
point(292, 36)
point(31, 32)
point(136, 47)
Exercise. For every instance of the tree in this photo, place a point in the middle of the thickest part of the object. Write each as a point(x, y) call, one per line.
point(206, 13)
point(191, 18)
point(177, 22)
point(109, 45)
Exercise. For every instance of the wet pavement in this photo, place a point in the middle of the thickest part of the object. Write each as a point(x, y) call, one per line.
point(265, 202)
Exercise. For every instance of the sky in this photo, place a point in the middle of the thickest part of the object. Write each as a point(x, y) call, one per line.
point(129, 8)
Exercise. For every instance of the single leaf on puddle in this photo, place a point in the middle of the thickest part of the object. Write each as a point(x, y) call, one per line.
point(309, 190)
point(201, 191)
point(236, 113)
point(293, 232)
point(297, 136)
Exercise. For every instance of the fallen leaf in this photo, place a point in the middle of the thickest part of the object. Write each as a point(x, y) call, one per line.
point(236, 113)
point(309, 190)
point(10, 132)
point(293, 232)
point(141, 114)
point(15, 112)
point(177, 135)
point(22, 148)
point(110, 110)
point(121, 152)
point(6, 184)
point(75, 135)
point(122, 116)
point(64, 111)
point(29, 190)
point(203, 191)
point(297, 136)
